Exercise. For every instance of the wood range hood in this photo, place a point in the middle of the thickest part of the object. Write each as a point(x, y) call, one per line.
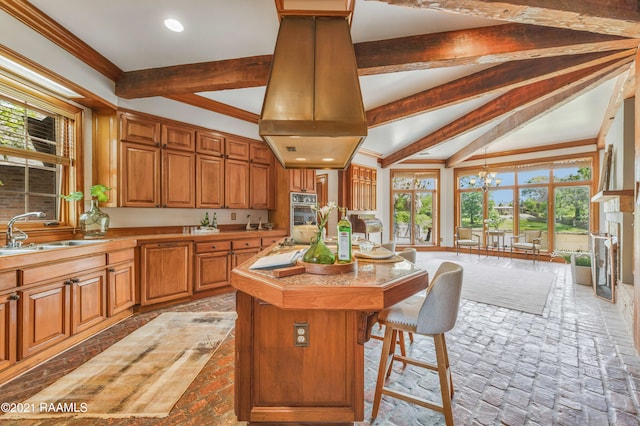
point(313, 116)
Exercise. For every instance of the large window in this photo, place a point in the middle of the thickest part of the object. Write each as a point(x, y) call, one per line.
point(553, 197)
point(36, 153)
point(414, 197)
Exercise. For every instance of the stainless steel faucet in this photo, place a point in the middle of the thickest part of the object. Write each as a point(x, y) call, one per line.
point(14, 241)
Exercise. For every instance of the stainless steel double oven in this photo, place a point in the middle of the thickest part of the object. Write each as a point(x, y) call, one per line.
point(301, 213)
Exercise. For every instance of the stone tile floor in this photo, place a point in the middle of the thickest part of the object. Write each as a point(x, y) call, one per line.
point(574, 365)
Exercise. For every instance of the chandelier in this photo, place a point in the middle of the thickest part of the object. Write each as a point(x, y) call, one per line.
point(485, 178)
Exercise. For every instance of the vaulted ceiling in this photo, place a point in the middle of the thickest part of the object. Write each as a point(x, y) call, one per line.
point(441, 80)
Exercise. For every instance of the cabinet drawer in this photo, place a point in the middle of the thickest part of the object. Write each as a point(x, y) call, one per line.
point(243, 244)
point(213, 246)
point(8, 280)
point(120, 256)
point(62, 269)
point(267, 241)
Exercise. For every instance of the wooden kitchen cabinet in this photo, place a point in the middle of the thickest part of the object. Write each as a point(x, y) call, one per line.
point(88, 300)
point(210, 181)
point(213, 265)
point(302, 180)
point(139, 129)
point(166, 270)
point(8, 329)
point(360, 185)
point(236, 184)
point(45, 317)
point(237, 149)
point(178, 179)
point(260, 153)
point(210, 143)
point(243, 250)
point(121, 290)
point(175, 136)
point(140, 175)
point(261, 193)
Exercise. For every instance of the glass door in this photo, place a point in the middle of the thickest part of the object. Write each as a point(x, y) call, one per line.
point(414, 208)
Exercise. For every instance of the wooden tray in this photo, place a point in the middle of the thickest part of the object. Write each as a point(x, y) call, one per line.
point(336, 268)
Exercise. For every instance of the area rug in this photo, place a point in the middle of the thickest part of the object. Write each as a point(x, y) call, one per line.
point(142, 375)
point(512, 288)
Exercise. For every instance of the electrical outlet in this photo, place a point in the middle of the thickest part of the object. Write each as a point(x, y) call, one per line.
point(301, 334)
point(233, 216)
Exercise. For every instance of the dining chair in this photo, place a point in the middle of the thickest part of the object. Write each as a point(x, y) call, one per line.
point(466, 238)
point(391, 246)
point(408, 253)
point(431, 315)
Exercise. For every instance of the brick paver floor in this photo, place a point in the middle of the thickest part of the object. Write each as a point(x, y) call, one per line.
point(573, 365)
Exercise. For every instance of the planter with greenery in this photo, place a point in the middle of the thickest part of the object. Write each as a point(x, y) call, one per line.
point(580, 262)
point(94, 223)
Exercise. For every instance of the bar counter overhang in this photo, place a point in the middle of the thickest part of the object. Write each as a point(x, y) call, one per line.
point(277, 380)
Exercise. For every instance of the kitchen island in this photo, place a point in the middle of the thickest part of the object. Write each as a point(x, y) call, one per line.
point(300, 338)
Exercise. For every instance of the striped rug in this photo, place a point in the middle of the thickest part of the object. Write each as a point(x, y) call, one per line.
point(143, 375)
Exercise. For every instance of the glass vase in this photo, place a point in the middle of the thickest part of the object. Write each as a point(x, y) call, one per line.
point(318, 252)
point(94, 223)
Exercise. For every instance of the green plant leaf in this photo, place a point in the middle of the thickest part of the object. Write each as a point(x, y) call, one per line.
point(74, 196)
point(99, 191)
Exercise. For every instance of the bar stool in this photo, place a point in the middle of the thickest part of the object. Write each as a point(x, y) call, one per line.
point(433, 316)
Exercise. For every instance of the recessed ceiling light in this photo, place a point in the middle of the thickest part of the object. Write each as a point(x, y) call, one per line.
point(173, 25)
point(328, 159)
point(301, 159)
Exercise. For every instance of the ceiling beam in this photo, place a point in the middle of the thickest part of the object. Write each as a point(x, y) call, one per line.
point(483, 45)
point(505, 104)
point(615, 17)
point(496, 79)
point(215, 106)
point(615, 100)
point(477, 45)
point(520, 118)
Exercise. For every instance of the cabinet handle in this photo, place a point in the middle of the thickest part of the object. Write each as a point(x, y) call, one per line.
point(112, 269)
point(157, 205)
point(214, 247)
point(67, 282)
point(75, 280)
point(14, 297)
point(164, 205)
point(232, 252)
point(246, 244)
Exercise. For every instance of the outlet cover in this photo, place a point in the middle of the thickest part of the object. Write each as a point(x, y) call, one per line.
point(301, 334)
point(233, 216)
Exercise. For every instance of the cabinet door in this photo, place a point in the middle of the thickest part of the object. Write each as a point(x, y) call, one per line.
point(178, 179)
point(260, 153)
point(121, 287)
point(209, 182)
point(212, 271)
point(139, 129)
point(166, 272)
point(8, 330)
point(237, 149)
point(236, 184)
point(210, 143)
point(241, 256)
point(45, 317)
point(309, 180)
point(88, 301)
point(296, 183)
point(261, 196)
point(178, 137)
point(140, 175)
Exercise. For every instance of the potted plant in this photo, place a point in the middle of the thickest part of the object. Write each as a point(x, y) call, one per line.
point(580, 262)
point(94, 223)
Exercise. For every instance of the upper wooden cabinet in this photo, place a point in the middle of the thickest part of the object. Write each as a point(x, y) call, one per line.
point(360, 187)
point(237, 149)
point(139, 129)
point(302, 180)
point(178, 137)
point(210, 180)
point(260, 153)
point(210, 143)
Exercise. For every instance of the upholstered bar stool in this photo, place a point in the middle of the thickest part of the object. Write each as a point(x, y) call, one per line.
point(433, 316)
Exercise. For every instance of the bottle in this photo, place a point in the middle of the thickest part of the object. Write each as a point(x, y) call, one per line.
point(205, 222)
point(344, 237)
point(215, 221)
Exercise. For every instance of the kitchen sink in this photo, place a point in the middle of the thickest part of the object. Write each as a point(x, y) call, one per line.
point(71, 243)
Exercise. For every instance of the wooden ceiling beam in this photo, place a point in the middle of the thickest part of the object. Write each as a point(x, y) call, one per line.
point(545, 105)
point(494, 44)
point(615, 17)
point(215, 106)
point(615, 100)
point(496, 79)
point(505, 104)
point(478, 45)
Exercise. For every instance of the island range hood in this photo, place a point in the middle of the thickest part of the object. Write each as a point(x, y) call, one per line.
point(313, 116)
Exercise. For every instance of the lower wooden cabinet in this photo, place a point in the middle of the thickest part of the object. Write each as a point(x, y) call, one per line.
point(212, 265)
point(8, 329)
point(165, 272)
point(121, 287)
point(45, 317)
point(243, 250)
point(88, 300)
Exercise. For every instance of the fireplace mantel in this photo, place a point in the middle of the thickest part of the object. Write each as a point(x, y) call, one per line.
point(624, 198)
